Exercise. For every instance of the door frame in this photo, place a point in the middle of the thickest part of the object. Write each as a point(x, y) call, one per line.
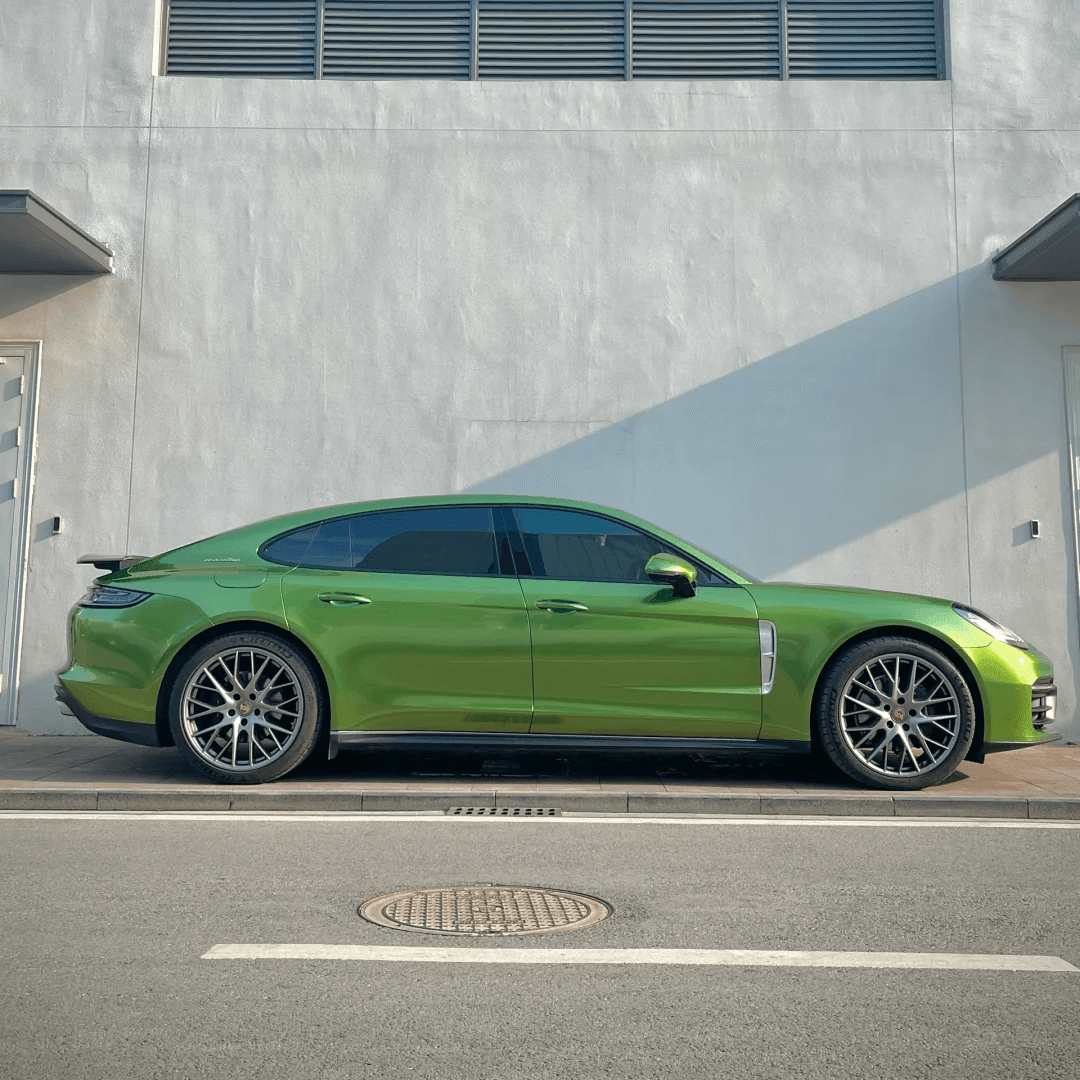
point(11, 655)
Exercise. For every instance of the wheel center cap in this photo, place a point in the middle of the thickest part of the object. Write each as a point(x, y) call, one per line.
point(898, 714)
point(244, 708)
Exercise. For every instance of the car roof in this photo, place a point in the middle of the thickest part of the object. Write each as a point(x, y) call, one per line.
point(254, 535)
point(325, 513)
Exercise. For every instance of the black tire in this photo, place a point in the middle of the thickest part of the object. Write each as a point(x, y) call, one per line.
point(883, 714)
point(275, 719)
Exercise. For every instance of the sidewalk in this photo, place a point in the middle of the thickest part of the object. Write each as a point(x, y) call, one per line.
point(94, 773)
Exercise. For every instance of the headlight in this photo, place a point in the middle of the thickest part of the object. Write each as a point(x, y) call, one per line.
point(111, 596)
point(989, 626)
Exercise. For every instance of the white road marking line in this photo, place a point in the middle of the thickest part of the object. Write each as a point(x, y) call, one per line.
point(714, 957)
point(567, 819)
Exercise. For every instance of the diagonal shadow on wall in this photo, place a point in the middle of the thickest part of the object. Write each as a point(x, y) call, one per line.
point(807, 450)
point(21, 291)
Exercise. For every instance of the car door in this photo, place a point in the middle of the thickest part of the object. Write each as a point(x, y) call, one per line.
point(614, 653)
point(415, 623)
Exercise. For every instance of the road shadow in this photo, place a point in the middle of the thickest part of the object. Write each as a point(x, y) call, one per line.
point(92, 759)
point(583, 767)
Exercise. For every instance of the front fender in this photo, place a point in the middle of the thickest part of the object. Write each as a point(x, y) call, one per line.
point(814, 623)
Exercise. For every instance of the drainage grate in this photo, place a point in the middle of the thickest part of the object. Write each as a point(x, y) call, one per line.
point(477, 910)
point(504, 811)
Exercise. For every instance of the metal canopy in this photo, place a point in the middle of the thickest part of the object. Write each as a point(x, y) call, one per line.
point(35, 239)
point(1049, 251)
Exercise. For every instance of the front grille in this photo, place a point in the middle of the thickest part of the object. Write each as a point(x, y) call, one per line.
point(1043, 700)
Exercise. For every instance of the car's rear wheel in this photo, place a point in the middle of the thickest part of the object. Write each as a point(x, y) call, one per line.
point(245, 708)
point(895, 713)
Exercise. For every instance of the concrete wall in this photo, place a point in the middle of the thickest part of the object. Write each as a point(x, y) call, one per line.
point(759, 313)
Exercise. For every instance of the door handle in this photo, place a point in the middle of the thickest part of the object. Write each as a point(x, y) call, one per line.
point(342, 599)
point(560, 605)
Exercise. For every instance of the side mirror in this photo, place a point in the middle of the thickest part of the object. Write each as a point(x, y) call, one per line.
point(673, 571)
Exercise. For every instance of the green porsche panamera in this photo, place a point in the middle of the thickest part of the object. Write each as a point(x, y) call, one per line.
point(530, 622)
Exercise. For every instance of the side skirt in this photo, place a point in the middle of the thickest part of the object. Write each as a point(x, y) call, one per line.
point(467, 740)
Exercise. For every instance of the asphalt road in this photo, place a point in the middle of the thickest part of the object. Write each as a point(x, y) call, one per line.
point(104, 922)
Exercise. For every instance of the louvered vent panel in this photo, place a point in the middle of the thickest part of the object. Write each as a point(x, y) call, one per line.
point(863, 39)
point(254, 38)
point(706, 39)
point(560, 39)
point(396, 39)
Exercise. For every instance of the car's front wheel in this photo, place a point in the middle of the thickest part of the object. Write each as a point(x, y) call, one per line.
point(895, 713)
point(245, 708)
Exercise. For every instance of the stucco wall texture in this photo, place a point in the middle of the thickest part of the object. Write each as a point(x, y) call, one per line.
point(758, 313)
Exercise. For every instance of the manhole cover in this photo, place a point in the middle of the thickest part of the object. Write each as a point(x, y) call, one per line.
point(485, 910)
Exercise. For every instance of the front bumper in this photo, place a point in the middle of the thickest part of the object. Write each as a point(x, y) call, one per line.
point(124, 730)
point(1018, 698)
point(998, 747)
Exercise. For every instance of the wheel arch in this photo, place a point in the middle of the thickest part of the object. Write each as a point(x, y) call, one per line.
point(975, 753)
point(164, 731)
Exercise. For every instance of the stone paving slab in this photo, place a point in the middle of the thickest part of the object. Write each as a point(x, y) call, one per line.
point(93, 773)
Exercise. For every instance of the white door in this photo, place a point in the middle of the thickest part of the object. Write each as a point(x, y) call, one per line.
point(18, 374)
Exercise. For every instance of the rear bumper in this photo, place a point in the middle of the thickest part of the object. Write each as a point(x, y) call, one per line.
point(124, 730)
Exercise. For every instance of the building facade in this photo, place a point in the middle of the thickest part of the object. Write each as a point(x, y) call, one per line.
point(755, 305)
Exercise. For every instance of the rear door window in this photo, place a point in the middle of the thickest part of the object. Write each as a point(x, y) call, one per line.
point(453, 540)
point(290, 549)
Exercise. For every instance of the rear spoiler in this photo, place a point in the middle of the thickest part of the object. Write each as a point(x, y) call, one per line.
point(112, 563)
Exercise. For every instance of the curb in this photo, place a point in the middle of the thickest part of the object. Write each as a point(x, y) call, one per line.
point(868, 804)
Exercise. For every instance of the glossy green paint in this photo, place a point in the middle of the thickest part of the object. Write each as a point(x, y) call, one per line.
point(120, 655)
point(663, 568)
point(446, 653)
point(245, 592)
point(1004, 675)
point(814, 621)
point(618, 659)
point(425, 652)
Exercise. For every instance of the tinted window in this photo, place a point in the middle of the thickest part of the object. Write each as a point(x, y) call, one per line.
point(580, 547)
point(439, 540)
point(332, 547)
point(291, 548)
point(576, 546)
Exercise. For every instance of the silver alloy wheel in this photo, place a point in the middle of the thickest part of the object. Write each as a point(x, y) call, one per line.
point(899, 715)
point(242, 709)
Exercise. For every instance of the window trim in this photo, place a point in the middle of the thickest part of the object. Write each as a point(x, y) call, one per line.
point(507, 530)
